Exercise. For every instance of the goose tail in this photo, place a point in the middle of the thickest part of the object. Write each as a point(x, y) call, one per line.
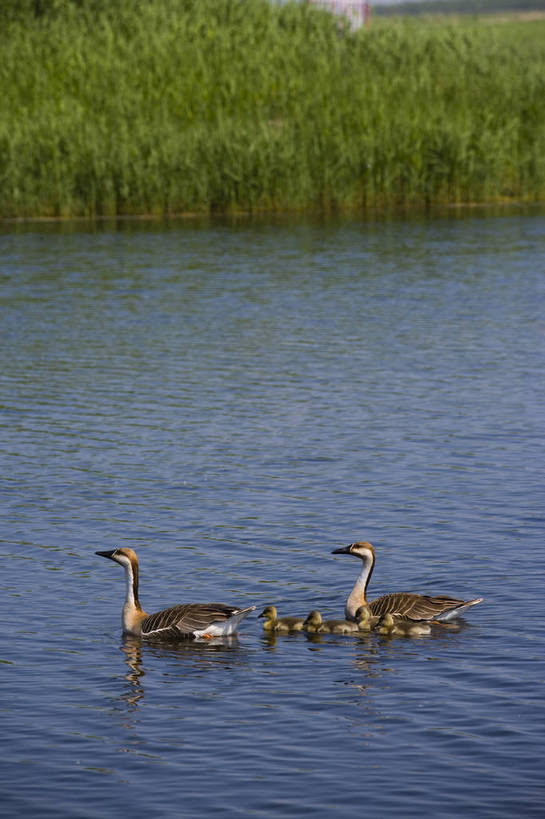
point(457, 610)
point(225, 628)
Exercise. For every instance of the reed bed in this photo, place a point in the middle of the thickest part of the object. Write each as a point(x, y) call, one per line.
point(169, 106)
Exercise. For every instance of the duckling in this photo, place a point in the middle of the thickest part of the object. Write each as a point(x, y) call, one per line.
point(341, 626)
point(280, 624)
point(365, 620)
point(410, 628)
point(403, 626)
point(386, 624)
point(315, 624)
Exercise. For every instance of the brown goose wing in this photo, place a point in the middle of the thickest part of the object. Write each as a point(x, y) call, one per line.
point(184, 620)
point(416, 606)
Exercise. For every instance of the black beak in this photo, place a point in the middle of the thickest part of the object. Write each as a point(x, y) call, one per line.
point(262, 614)
point(345, 550)
point(107, 554)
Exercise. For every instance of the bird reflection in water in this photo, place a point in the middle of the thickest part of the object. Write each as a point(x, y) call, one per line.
point(270, 639)
point(203, 653)
point(132, 649)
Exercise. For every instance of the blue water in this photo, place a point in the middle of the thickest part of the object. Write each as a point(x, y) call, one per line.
point(234, 400)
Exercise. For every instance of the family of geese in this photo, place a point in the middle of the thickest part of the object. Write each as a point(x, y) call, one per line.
point(399, 613)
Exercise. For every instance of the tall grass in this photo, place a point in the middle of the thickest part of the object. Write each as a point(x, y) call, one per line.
point(165, 106)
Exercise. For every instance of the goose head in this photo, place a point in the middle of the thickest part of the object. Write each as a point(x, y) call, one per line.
point(361, 549)
point(124, 556)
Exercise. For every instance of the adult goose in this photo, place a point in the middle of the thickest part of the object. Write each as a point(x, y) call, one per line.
point(189, 620)
point(406, 604)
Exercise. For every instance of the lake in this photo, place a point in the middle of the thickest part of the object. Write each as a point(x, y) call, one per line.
point(234, 399)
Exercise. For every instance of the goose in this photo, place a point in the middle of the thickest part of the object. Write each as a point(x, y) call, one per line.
point(275, 623)
point(403, 626)
point(413, 606)
point(188, 620)
point(315, 624)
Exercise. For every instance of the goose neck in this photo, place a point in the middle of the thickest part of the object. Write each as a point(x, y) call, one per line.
point(358, 595)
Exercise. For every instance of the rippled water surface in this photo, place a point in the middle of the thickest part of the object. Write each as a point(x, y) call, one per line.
point(234, 401)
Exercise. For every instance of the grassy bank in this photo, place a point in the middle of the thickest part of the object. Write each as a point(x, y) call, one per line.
point(197, 105)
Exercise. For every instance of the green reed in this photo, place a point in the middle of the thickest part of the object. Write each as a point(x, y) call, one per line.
point(166, 106)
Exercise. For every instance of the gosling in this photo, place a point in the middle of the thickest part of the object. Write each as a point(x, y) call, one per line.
point(365, 620)
point(273, 623)
point(402, 626)
point(315, 625)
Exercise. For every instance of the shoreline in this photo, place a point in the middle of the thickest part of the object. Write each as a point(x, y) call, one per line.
point(259, 214)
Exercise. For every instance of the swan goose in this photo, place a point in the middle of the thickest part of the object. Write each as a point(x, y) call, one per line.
point(188, 620)
point(405, 604)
